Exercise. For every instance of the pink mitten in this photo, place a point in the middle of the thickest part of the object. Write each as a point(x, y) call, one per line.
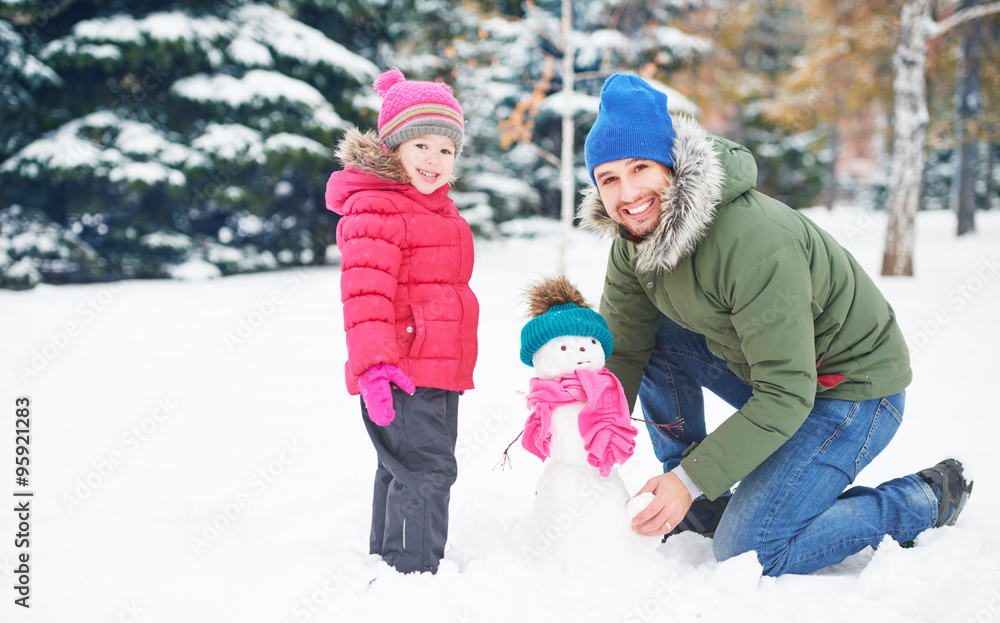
point(377, 393)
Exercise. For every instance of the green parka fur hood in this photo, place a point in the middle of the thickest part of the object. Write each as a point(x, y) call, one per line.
point(790, 311)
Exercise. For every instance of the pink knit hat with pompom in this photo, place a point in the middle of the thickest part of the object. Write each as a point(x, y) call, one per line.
point(411, 109)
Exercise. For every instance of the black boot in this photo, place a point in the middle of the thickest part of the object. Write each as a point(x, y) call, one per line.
point(703, 517)
point(947, 480)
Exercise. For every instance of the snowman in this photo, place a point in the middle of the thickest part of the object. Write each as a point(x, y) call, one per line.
point(580, 426)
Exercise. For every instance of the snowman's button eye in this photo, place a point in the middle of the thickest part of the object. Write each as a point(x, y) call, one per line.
point(563, 348)
point(593, 341)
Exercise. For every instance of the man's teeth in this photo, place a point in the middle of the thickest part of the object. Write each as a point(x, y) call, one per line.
point(640, 209)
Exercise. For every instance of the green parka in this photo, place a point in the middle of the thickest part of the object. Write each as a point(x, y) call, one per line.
point(790, 310)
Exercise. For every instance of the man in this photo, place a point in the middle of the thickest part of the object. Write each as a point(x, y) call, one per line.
point(712, 284)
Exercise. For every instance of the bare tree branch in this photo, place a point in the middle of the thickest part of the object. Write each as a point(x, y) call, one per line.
point(936, 29)
point(547, 155)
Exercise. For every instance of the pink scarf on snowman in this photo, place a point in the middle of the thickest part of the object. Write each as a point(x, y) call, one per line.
point(605, 424)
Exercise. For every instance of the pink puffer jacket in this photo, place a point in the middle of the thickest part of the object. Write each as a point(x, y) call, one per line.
point(406, 261)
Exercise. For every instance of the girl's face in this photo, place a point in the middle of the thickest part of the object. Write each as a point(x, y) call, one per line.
point(429, 160)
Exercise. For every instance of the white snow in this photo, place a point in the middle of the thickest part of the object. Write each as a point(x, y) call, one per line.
point(147, 172)
point(122, 156)
point(105, 51)
point(165, 26)
point(32, 241)
point(286, 142)
point(231, 141)
point(249, 224)
point(256, 87)
point(163, 240)
point(637, 503)
point(681, 43)
point(246, 259)
point(64, 148)
point(195, 457)
point(23, 63)
point(676, 101)
point(259, 87)
point(579, 103)
point(592, 46)
point(23, 269)
point(250, 53)
point(118, 28)
point(511, 189)
point(250, 35)
point(195, 269)
point(576, 103)
point(291, 38)
point(137, 138)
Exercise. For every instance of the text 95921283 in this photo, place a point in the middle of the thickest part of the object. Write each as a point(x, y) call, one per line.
point(22, 500)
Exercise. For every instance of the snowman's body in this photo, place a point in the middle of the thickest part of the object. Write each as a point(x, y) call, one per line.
point(566, 445)
point(577, 512)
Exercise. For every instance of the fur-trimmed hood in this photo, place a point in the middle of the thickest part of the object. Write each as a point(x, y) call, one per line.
point(361, 150)
point(708, 172)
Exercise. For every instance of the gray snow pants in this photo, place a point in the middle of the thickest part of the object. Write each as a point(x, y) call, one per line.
point(416, 468)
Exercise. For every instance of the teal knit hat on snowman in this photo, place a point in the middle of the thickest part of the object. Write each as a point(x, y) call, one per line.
point(565, 319)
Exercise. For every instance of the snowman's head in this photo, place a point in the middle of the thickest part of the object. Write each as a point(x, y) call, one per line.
point(565, 338)
point(562, 355)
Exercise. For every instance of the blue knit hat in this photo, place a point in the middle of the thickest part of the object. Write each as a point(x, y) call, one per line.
point(567, 319)
point(632, 122)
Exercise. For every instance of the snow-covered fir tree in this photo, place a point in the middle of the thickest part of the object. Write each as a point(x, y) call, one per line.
point(169, 135)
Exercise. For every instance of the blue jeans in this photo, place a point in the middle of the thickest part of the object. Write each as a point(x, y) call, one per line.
point(792, 509)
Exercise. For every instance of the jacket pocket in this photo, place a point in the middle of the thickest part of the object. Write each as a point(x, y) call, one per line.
point(417, 328)
point(828, 381)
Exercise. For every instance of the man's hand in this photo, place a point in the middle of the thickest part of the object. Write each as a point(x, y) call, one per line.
point(670, 504)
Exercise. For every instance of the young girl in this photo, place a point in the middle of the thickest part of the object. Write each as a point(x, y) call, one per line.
point(409, 314)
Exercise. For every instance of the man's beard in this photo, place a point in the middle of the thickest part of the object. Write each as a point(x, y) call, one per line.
point(647, 226)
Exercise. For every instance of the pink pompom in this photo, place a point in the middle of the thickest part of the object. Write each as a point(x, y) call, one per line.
point(387, 80)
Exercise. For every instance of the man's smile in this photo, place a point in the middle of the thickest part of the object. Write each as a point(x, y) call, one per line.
point(638, 209)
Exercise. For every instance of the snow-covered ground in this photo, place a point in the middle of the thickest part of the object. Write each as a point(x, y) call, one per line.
point(195, 457)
